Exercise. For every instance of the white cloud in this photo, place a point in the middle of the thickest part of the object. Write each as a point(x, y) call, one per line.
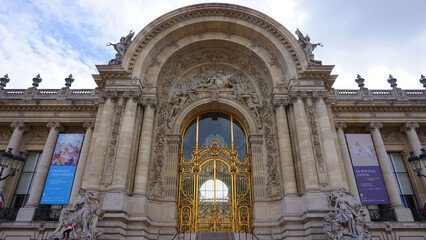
point(56, 38)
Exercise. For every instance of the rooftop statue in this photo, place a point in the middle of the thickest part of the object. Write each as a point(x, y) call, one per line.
point(308, 47)
point(121, 48)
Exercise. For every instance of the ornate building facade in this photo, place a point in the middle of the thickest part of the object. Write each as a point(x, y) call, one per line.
point(215, 118)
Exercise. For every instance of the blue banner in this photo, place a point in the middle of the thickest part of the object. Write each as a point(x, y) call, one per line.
point(62, 169)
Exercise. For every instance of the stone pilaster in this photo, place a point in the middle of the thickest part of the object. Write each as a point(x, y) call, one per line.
point(171, 166)
point(286, 155)
point(83, 160)
point(402, 213)
point(258, 167)
point(307, 159)
point(347, 160)
point(123, 158)
point(19, 127)
point(144, 152)
point(328, 144)
point(101, 144)
point(409, 128)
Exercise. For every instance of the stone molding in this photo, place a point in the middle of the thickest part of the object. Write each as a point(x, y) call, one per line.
point(370, 108)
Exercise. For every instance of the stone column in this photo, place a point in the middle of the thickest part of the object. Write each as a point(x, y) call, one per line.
point(305, 145)
point(83, 160)
point(144, 153)
point(258, 167)
point(347, 160)
point(389, 179)
point(19, 127)
point(44, 164)
point(410, 130)
point(328, 145)
point(101, 144)
point(287, 165)
point(121, 169)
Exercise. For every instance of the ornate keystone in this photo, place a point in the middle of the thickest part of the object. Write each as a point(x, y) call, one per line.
point(392, 81)
point(68, 81)
point(3, 81)
point(360, 81)
point(36, 81)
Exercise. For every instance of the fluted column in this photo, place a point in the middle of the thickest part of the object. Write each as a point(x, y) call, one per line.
point(402, 213)
point(410, 130)
point(44, 163)
point(258, 167)
point(287, 165)
point(19, 127)
point(144, 153)
point(347, 160)
point(328, 145)
point(121, 169)
point(101, 145)
point(307, 159)
point(82, 160)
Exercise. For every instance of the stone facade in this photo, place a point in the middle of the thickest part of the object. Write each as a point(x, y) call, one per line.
point(214, 57)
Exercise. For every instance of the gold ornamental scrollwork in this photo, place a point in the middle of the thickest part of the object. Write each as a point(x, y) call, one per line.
point(223, 206)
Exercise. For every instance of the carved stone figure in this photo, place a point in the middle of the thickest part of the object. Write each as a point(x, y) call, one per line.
point(84, 216)
point(345, 221)
point(308, 47)
point(121, 48)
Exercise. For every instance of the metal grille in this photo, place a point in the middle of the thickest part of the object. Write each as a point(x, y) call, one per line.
point(8, 214)
point(47, 214)
point(384, 214)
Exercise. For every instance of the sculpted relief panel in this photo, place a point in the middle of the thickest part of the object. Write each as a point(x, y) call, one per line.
point(213, 75)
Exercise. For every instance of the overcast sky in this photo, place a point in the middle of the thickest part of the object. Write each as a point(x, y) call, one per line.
point(367, 37)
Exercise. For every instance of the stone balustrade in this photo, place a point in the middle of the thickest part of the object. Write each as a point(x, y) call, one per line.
point(49, 94)
point(365, 94)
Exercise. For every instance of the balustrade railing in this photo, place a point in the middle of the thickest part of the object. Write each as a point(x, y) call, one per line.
point(47, 214)
point(418, 214)
point(40, 94)
point(8, 214)
point(378, 94)
point(383, 214)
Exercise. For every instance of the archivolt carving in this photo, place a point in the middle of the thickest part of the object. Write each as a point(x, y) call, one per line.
point(207, 81)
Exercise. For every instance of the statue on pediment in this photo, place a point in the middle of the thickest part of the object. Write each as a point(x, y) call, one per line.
point(308, 47)
point(121, 48)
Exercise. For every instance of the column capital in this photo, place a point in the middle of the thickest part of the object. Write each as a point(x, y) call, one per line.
point(88, 124)
point(21, 125)
point(108, 94)
point(280, 101)
point(319, 95)
point(256, 138)
point(408, 126)
point(132, 95)
point(149, 101)
point(173, 138)
point(297, 95)
point(340, 125)
point(55, 125)
point(373, 126)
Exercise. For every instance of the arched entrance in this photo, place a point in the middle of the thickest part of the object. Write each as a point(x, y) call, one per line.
point(214, 175)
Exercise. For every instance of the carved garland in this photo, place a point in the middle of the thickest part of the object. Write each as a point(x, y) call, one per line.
point(166, 80)
point(311, 114)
